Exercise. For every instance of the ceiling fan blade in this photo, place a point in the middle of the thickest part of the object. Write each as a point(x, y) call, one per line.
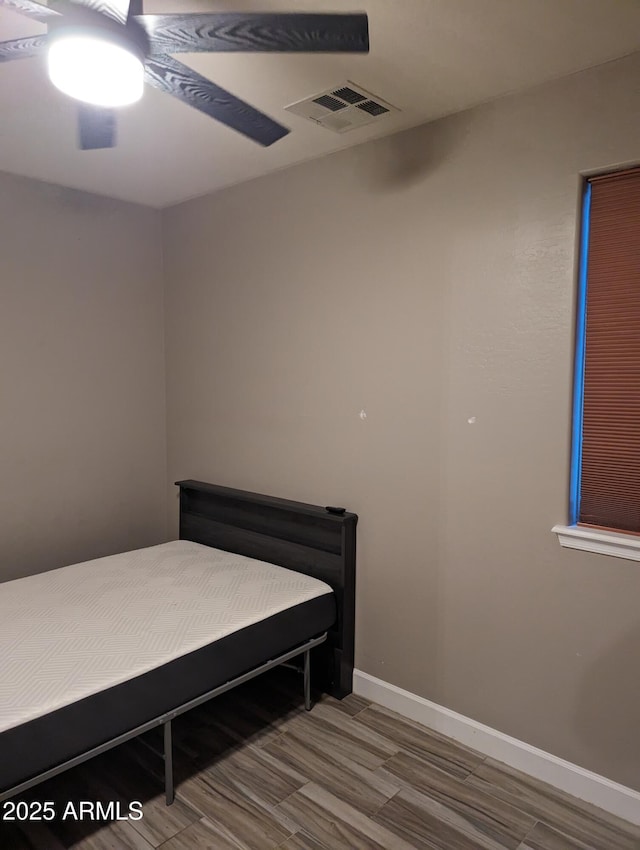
point(257, 32)
point(35, 11)
point(173, 77)
point(116, 9)
point(96, 127)
point(22, 48)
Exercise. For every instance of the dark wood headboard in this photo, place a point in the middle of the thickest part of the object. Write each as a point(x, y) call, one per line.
point(309, 539)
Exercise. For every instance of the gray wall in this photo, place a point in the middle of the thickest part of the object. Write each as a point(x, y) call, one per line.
point(82, 401)
point(429, 280)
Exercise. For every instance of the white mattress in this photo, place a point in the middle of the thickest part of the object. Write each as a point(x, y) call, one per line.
point(72, 632)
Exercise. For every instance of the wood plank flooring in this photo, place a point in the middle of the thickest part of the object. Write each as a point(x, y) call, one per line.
point(254, 771)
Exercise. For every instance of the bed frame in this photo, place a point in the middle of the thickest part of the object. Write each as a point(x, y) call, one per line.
point(320, 542)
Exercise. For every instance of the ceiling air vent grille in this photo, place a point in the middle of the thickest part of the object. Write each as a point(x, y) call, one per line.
point(349, 94)
point(344, 108)
point(373, 108)
point(331, 103)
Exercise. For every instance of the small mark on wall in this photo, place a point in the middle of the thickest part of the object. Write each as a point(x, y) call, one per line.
point(471, 420)
point(363, 415)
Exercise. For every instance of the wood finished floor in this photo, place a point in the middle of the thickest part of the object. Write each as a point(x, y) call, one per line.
point(254, 771)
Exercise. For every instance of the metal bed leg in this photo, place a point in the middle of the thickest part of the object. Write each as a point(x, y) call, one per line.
point(168, 764)
point(307, 680)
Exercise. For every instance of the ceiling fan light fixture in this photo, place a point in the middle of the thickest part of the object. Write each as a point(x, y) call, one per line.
point(95, 70)
point(102, 53)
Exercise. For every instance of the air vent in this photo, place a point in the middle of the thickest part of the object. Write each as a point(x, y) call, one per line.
point(331, 103)
point(343, 108)
point(373, 108)
point(349, 94)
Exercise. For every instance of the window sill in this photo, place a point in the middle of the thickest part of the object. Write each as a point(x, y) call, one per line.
point(602, 542)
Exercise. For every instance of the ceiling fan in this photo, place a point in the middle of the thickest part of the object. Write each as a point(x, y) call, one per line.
point(101, 52)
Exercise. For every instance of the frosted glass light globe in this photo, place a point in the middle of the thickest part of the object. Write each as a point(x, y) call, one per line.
point(95, 70)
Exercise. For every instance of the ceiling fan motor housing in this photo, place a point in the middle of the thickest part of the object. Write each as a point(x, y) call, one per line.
point(84, 21)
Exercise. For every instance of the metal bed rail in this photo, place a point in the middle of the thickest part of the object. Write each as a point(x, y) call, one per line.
point(166, 718)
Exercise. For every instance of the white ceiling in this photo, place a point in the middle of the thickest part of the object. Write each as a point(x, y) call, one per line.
point(428, 57)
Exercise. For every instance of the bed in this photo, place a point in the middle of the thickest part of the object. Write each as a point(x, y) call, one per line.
point(97, 653)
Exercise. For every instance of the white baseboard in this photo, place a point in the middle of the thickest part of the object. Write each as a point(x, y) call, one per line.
point(598, 790)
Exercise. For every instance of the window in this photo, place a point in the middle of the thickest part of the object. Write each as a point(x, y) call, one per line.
point(605, 462)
